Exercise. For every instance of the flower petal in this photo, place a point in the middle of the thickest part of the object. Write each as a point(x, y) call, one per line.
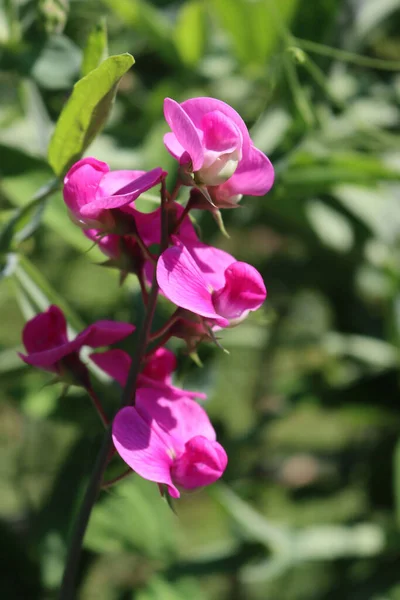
point(244, 290)
point(125, 195)
point(115, 363)
point(202, 463)
point(196, 108)
point(81, 183)
point(104, 333)
point(146, 448)
point(183, 418)
point(254, 176)
point(185, 132)
point(45, 331)
point(182, 282)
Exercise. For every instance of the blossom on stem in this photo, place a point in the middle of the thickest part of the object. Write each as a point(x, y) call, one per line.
point(91, 191)
point(224, 294)
point(48, 348)
point(156, 374)
point(170, 443)
point(210, 140)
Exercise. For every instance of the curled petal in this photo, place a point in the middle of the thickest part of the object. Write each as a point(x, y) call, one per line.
point(202, 463)
point(254, 176)
point(160, 365)
point(45, 331)
point(244, 291)
point(81, 183)
point(196, 108)
point(146, 448)
point(185, 132)
point(124, 195)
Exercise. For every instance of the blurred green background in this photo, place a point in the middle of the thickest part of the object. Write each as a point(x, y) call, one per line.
point(307, 402)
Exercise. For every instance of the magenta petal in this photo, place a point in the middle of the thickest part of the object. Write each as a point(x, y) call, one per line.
point(125, 195)
point(182, 282)
point(160, 365)
point(244, 290)
point(146, 448)
point(202, 463)
point(114, 181)
point(183, 418)
point(221, 135)
point(115, 363)
point(254, 176)
point(45, 331)
point(173, 146)
point(81, 183)
point(185, 132)
point(212, 262)
point(196, 108)
point(104, 333)
point(48, 358)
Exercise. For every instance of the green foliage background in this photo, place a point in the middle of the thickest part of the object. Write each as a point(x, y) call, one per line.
point(307, 402)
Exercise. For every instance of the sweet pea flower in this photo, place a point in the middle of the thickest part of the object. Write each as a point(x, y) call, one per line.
point(156, 374)
point(91, 191)
point(48, 348)
point(211, 140)
point(224, 292)
point(170, 443)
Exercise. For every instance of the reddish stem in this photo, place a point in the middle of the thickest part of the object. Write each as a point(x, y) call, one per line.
point(99, 409)
point(107, 484)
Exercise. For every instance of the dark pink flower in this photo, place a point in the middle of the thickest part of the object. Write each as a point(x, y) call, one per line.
point(47, 345)
point(223, 291)
point(91, 190)
point(170, 443)
point(212, 140)
point(156, 374)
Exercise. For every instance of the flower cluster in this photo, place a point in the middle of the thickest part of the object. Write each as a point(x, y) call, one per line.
point(162, 433)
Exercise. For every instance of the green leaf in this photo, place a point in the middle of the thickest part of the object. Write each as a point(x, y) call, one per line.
point(96, 48)
point(86, 112)
point(190, 32)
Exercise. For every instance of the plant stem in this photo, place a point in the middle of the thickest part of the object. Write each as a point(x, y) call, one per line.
point(107, 484)
point(346, 56)
point(98, 407)
point(67, 591)
point(167, 325)
point(68, 585)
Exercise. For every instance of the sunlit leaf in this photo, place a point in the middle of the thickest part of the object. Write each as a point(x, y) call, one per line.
point(86, 112)
point(96, 48)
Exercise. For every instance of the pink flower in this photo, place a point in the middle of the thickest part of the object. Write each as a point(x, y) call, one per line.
point(156, 374)
point(212, 139)
point(170, 443)
point(91, 190)
point(48, 348)
point(224, 290)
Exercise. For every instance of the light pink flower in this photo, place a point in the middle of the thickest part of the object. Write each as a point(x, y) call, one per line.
point(213, 141)
point(47, 345)
point(225, 293)
point(156, 374)
point(170, 443)
point(91, 190)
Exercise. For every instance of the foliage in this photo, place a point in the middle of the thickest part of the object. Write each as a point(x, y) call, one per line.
point(307, 402)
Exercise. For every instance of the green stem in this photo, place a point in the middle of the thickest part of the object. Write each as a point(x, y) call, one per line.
point(68, 585)
point(345, 56)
